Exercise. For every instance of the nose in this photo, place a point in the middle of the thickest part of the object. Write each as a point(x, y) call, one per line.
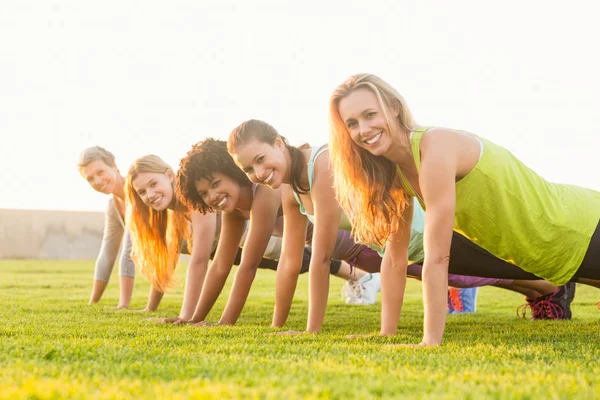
point(260, 173)
point(149, 194)
point(97, 182)
point(364, 126)
point(212, 196)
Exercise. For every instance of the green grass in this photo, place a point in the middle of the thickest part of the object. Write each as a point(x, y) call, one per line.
point(53, 345)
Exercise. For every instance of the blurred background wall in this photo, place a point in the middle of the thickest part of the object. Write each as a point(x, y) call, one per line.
point(42, 234)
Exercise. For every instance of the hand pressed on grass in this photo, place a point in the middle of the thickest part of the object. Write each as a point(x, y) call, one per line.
point(291, 333)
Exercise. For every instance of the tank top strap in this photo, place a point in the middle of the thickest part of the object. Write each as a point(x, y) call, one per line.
point(415, 141)
point(315, 152)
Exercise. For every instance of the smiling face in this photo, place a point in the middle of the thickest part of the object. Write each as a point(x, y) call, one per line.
point(155, 189)
point(220, 193)
point(365, 121)
point(263, 163)
point(101, 177)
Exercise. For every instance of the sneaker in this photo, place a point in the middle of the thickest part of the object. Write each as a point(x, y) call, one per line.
point(561, 298)
point(556, 305)
point(535, 305)
point(363, 291)
point(461, 301)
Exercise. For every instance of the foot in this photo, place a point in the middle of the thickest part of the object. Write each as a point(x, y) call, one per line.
point(363, 291)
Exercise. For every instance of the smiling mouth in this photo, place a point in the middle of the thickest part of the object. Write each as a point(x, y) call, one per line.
point(374, 138)
point(222, 202)
point(156, 201)
point(269, 179)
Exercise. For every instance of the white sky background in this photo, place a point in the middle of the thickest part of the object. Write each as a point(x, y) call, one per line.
point(141, 77)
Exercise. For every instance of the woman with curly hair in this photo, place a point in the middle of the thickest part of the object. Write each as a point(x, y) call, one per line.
point(307, 194)
point(382, 159)
point(209, 181)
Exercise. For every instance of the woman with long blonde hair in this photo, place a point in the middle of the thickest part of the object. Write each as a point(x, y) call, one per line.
point(382, 160)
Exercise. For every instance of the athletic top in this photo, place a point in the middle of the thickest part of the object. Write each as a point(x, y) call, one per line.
point(114, 233)
point(416, 253)
point(506, 208)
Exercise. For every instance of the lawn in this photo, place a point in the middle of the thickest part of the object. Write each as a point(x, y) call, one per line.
point(53, 345)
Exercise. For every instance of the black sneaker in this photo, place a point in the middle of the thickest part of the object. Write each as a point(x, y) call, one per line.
point(561, 299)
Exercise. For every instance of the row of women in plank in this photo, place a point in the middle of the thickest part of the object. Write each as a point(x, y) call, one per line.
point(386, 195)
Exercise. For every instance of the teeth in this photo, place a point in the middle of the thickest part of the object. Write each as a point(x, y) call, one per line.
point(374, 138)
point(222, 202)
point(157, 200)
point(269, 178)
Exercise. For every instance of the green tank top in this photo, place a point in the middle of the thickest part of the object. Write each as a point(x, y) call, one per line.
point(506, 208)
point(416, 253)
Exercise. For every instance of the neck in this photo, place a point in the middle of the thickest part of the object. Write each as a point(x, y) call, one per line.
point(245, 200)
point(120, 188)
point(400, 152)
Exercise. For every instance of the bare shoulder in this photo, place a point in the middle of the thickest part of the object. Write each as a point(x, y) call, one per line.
point(446, 139)
point(287, 197)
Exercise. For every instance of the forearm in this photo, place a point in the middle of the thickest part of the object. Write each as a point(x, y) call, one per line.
point(154, 299)
point(319, 291)
point(97, 291)
point(239, 294)
point(393, 284)
point(286, 282)
point(435, 289)
point(193, 287)
point(215, 281)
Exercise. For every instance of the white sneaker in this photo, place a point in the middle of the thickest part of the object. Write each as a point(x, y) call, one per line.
point(364, 291)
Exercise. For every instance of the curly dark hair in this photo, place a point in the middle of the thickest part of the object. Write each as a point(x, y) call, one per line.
point(201, 162)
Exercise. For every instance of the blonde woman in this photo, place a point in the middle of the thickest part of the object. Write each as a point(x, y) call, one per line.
point(382, 160)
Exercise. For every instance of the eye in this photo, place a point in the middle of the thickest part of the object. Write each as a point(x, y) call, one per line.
point(141, 193)
point(216, 183)
point(260, 159)
point(100, 173)
point(371, 114)
point(248, 170)
point(351, 124)
point(153, 184)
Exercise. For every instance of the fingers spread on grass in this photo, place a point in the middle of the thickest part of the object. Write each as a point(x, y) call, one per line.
point(290, 333)
point(361, 336)
point(203, 324)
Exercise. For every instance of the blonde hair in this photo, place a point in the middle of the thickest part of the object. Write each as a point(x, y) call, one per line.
point(368, 187)
point(156, 236)
point(95, 153)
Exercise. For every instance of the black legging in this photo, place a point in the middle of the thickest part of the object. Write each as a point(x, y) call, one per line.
point(466, 258)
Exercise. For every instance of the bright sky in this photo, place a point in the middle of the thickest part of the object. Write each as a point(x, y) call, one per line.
point(141, 77)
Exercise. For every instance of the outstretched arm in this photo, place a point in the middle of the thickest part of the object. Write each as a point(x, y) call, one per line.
point(393, 274)
point(290, 263)
point(327, 212)
point(204, 227)
point(265, 207)
point(232, 230)
point(437, 182)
